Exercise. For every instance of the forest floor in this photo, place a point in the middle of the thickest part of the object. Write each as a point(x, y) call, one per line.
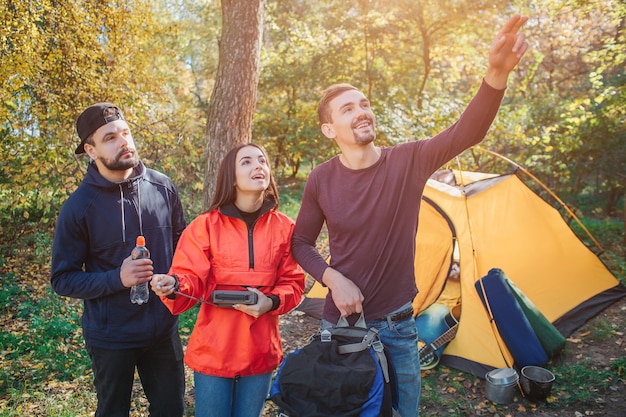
point(598, 347)
point(590, 371)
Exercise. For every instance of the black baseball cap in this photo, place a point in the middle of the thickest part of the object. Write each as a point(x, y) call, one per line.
point(94, 117)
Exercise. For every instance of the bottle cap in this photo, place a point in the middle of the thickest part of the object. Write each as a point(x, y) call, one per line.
point(141, 241)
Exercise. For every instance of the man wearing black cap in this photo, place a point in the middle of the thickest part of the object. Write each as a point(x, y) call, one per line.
point(118, 200)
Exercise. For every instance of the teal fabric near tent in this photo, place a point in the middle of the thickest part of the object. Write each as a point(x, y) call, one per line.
point(549, 336)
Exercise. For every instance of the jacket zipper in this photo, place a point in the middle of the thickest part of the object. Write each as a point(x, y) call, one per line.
point(251, 246)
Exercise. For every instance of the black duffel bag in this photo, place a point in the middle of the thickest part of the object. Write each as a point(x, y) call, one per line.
point(342, 371)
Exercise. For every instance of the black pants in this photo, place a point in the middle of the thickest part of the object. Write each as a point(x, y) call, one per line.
point(160, 369)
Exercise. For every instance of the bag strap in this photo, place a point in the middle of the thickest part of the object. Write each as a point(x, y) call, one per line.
point(369, 340)
point(343, 322)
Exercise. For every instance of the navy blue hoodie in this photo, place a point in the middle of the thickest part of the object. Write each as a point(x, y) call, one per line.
point(96, 230)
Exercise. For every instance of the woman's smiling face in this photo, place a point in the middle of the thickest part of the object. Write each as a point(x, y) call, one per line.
point(252, 172)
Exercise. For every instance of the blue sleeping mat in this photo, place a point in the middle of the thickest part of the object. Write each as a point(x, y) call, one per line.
point(512, 324)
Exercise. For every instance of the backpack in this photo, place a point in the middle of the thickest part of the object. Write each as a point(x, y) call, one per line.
point(342, 372)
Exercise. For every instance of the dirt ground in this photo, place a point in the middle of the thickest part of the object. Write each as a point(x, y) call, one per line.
point(583, 346)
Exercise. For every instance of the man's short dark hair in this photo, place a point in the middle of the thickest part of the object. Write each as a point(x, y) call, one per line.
point(323, 108)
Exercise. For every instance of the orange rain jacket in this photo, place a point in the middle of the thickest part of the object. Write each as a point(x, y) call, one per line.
point(216, 251)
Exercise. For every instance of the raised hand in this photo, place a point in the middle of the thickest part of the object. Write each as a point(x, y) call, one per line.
point(506, 51)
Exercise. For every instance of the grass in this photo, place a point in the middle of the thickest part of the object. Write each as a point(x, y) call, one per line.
point(587, 382)
point(602, 329)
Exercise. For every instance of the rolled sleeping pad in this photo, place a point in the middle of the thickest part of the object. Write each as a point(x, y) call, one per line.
point(512, 324)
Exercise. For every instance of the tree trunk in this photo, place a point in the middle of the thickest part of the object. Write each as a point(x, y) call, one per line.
point(233, 99)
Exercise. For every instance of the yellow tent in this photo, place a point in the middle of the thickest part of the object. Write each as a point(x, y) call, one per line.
point(497, 221)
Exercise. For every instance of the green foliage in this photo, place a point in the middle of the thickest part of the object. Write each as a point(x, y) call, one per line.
point(562, 117)
point(42, 342)
point(51, 69)
point(290, 197)
point(576, 131)
point(609, 233)
point(415, 94)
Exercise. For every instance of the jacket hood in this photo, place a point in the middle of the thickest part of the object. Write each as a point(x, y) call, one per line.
point(95, 179)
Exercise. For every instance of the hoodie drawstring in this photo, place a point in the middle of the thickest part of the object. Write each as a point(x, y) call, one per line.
point(124, 214)
point(139, 206)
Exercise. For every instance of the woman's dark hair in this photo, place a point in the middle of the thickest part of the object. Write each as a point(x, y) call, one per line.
point(225, 192)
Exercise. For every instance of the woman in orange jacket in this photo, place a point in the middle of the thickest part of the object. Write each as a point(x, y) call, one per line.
point(241, 244)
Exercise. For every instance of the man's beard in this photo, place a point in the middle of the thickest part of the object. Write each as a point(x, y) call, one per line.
point(364, 138)
point(118, 164)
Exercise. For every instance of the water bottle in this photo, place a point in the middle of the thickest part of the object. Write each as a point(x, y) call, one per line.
point(139, 293)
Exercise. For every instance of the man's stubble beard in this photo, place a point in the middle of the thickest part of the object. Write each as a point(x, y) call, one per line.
point(118, 164)
point(364, 139)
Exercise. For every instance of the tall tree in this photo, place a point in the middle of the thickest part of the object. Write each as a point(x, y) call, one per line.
point(233, 100)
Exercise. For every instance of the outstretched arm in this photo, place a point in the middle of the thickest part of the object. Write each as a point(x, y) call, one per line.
point(506, 51)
